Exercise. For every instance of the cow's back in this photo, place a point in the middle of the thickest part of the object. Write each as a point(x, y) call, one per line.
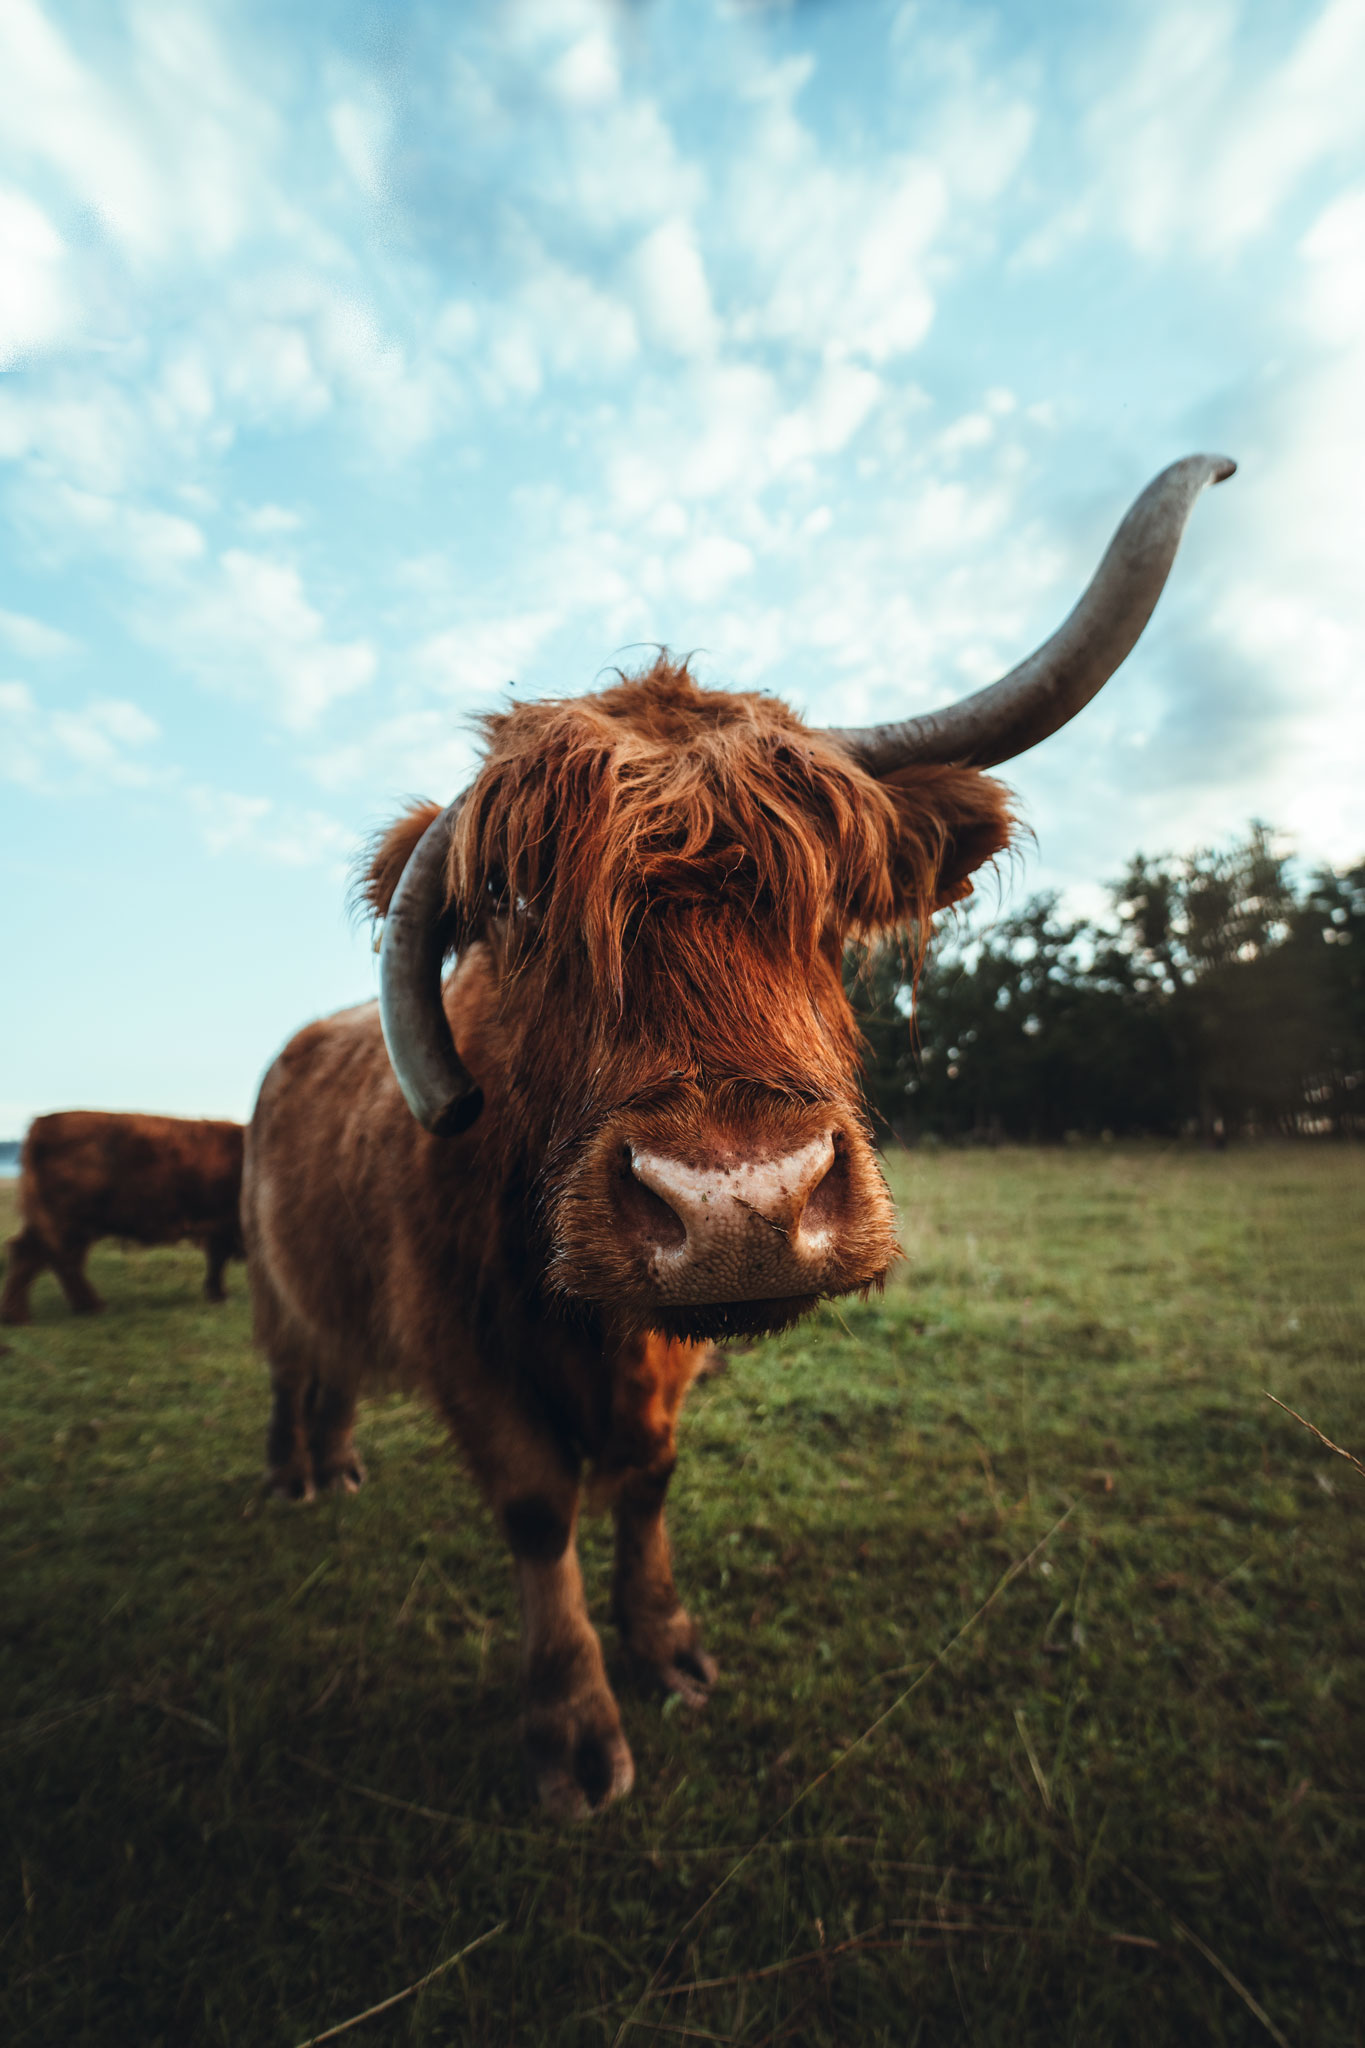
point(153, 1179)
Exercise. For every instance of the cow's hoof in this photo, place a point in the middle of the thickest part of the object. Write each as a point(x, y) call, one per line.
point(666, 1654)
point(290, 1487)
point(578, 1757)
point(691, 1674)
point(348, 1477)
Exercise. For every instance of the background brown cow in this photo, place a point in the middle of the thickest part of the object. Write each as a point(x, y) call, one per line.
point(636, 1121)
point(89, 1173)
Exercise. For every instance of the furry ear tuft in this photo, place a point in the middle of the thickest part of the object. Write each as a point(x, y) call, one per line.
point(952, 820)
point(382, 864)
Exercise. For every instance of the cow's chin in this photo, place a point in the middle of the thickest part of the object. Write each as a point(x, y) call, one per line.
point(698, 1322)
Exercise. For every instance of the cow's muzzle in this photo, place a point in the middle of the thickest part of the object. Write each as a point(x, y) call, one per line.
point(747, 1231)
point(655, 1226)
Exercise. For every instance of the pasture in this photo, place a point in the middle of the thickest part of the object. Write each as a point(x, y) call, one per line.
point(1041, 1632)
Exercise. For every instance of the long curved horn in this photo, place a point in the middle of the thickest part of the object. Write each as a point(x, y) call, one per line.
point(1039, 696)
point(437, 1085)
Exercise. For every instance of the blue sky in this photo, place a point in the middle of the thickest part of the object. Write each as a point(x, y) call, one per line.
point(362, 361)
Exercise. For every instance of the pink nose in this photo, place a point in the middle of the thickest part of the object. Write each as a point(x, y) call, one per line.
point(758, 1230)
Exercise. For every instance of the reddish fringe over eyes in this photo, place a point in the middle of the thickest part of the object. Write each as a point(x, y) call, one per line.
point(592, 813)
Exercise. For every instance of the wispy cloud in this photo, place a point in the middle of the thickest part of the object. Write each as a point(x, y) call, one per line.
point(106, 740)
point(280, 835)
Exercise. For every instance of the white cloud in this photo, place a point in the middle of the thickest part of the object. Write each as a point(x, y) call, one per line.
point(253, 630)
point(282, 835)
point(1200, 142)
point(20, 757)
point(1308, 110)
point(624, 170)
point(703, 570)
point(360, 130)
point(587, 75)
point(838, 252)
point(37, 307)
point(294, 346)
point(157, 545)
point(414, 753)
point(1293, 606)
point(480, 657)
point(673, 295)
point(45, 749)
point(174, 158)
point(1334, 254)
point(33, 639)
point(271, 519)
point(722, 438)
point(569, 324)
point(842, 399)
point(91, 443)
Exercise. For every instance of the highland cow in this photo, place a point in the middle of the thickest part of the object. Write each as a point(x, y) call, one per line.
point(629, 1121)
point(88, 1173)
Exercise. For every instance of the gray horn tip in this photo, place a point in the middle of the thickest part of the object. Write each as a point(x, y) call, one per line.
point(1221, 468)
point(458, 1115)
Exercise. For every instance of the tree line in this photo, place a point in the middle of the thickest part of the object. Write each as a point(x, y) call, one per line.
point(1223, 995)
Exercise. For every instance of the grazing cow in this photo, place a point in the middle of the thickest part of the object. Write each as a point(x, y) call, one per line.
point(87, 1173)
point(629, 1122)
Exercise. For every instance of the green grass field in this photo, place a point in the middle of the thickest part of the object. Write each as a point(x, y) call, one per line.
point(260, 1770)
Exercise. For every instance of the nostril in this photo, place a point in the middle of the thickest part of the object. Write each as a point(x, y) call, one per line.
point(827, 1203)
point(644, 1215)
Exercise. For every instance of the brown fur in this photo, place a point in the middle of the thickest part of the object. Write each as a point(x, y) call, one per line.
point(87, 1174)
point(650, 891)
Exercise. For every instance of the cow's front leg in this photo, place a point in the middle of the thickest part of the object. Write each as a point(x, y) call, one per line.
point(26, 1257)
point(572, 1726)
point(660, 1636)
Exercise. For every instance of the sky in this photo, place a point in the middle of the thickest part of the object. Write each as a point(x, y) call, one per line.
point(364, 364)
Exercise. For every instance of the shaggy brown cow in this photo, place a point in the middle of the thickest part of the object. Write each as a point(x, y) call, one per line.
point(86, 1173)
point(632, 1118)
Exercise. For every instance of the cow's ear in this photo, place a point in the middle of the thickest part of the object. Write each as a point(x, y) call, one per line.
point(953, 821)
point(383, 862)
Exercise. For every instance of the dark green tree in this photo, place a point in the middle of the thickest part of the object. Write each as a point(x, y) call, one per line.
point(1220, 996)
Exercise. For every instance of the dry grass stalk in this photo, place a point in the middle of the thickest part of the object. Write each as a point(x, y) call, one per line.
point(408, 1991)
point(1349, 1456)
point(1185, 1933)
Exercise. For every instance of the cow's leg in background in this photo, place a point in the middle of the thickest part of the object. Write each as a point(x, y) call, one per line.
point(26, 1256)
point(68, 1263)
point(218, 1249)
point(659, 1636)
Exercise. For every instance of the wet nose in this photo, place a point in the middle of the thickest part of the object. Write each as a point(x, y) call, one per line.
point(751, 1230)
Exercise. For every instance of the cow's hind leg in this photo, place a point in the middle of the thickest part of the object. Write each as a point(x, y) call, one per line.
point(25, 1258)
point(659, 1635)
point(331, 1438)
